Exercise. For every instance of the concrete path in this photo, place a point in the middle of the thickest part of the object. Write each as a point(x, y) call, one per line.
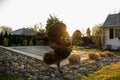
point(40, 50)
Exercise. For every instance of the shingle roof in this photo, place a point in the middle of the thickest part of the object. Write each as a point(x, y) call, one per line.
point(112, 20)
point(23, 31)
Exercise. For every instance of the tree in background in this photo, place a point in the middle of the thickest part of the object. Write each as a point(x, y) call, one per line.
point(76, 37)
point(87, 40)
point(5, 29)
point(88, 32)
point(36, 27)
point(4, 35)
point(40, 34)
point(96, 33)
point(1, 39)
point(41, 37)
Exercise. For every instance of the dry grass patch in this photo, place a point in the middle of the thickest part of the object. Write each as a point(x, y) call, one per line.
point(109, 54)
point(101, 54)
point(93, 56)
point(74, 58)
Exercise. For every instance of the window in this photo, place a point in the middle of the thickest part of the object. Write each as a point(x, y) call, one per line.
point(111, 34)
point(117, 33)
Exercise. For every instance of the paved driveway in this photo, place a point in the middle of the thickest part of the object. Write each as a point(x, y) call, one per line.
point(40, 50)
point(37, 50)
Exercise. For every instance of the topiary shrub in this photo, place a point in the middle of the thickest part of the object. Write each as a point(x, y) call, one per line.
point(59, 54)
point(62, 52)
point(57, 34)
point(93, 56)
point(49, 58)
point(74, 58)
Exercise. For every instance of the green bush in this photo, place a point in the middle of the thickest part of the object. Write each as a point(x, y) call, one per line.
point(24, 42)
point(62, 52)
point(49, 58)
point(5, 41)
point(58, 55)
point(30, 43)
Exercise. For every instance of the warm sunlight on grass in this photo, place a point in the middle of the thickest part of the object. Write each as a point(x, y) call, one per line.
point(6, 76)
point(117, 52)
point(86, 49)
point(93, 50)
point(111, 72)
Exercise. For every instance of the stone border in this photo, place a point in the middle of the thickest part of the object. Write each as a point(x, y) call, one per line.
point(31, 67)
point(23, 53)
point(63, 62)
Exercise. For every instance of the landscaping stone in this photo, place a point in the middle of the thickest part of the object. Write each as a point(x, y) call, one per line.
point(29, 68)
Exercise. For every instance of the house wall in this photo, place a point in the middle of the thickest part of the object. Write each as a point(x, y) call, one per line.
point(114, 43)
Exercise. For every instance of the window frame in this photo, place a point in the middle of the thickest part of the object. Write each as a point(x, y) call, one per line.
point(111, 33)
point(117, 35)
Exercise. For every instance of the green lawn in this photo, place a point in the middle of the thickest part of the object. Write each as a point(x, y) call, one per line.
point(116, 52)
point(94, 50)
point(6, 76)
point(111, 72)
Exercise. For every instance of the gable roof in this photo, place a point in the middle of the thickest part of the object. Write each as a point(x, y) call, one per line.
point(112, 20)
point(23, 31)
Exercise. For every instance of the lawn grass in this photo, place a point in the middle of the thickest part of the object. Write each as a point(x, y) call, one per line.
point(116, 52)
point(90, 50)
point(111, 72)
point(6, 76)
point(86, 49)
point(94, 50)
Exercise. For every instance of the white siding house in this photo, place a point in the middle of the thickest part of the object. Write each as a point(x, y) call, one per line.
point(111, 32)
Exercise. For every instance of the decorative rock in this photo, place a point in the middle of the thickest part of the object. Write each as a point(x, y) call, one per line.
point(29, 68)
point(22, 67)
point(69, 77)
point(46, 77)
point(74, 66)
point(52, 75)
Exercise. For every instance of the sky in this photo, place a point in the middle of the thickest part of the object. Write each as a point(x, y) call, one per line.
point(76, 14)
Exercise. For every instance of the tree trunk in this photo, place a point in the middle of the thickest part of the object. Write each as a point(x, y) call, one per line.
point(58, 66)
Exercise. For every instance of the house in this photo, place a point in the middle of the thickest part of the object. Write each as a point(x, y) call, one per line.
point(23, 31)
point(111, 32)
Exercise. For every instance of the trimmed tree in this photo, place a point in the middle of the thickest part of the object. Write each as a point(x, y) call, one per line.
point(57, 34)
point(52, 20)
